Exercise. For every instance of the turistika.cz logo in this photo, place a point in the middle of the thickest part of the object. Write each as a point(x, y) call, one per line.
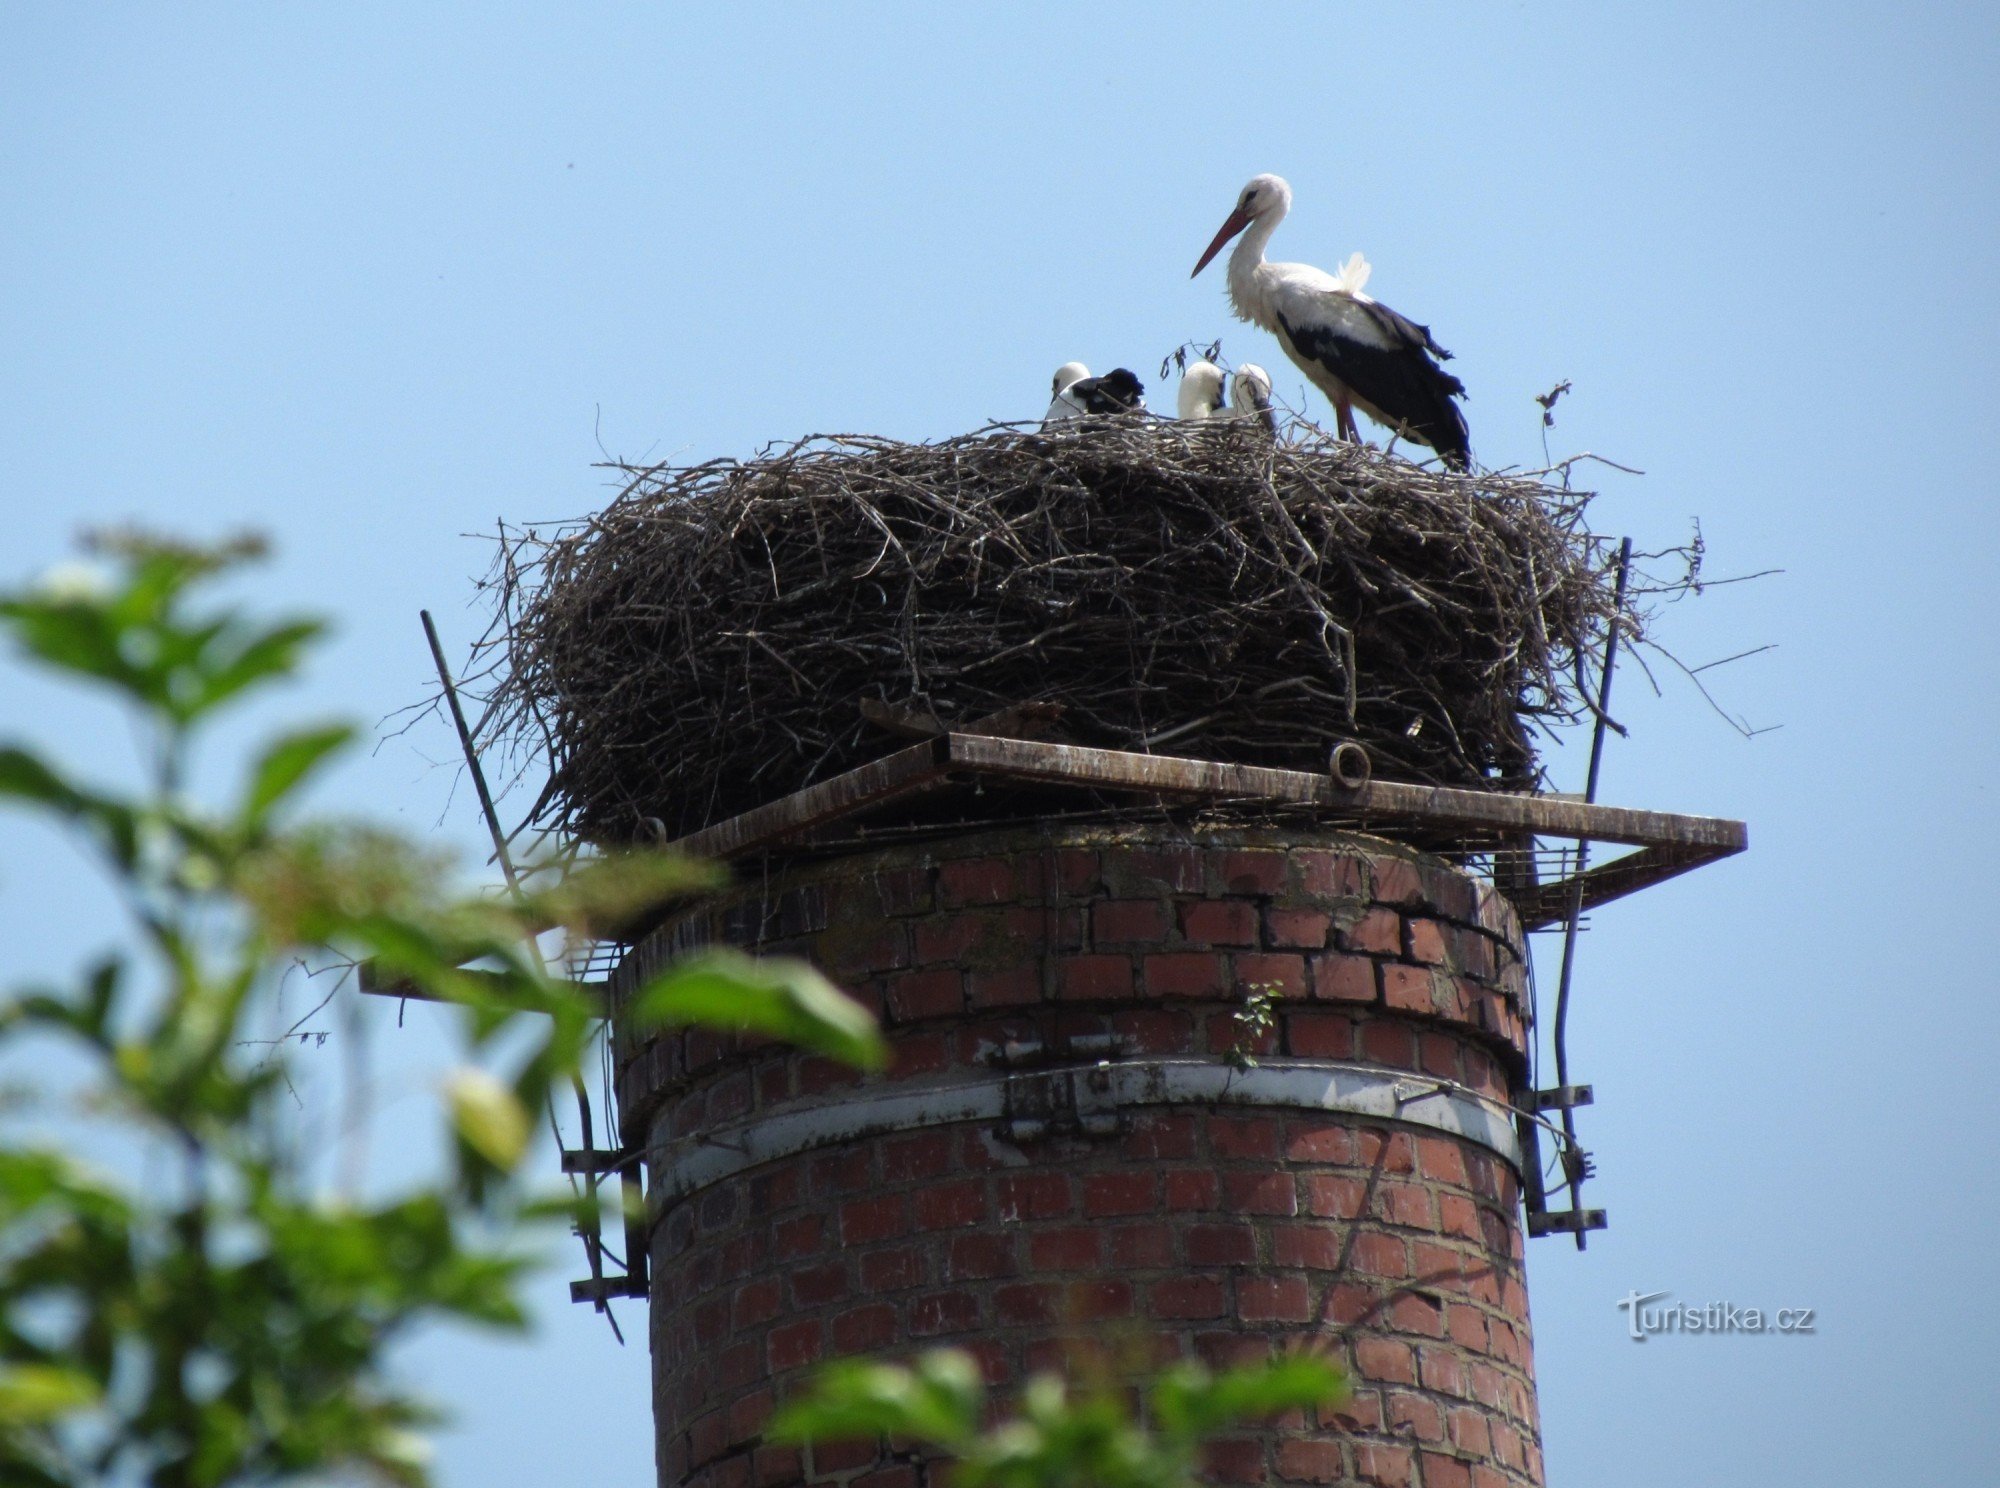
point(1643, 1321)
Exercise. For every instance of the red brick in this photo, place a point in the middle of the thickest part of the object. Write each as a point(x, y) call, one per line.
point(1413, 1312)
point(946, 938)
point(1440, 1371)
point(1253, 872)
point(1157, 1032)
point(981, 1256)
point(1025, 1305)
point(892, 1270)
point(1284, 972)
point(1312, 1034)
point(1273, 1299)
point(1155, 1137)
point(708, 1437)
point(1385, 1360)
point(1108, 1194)
point(976, 881)
point(1393, 1150)
point(864, 1329)
point(1220, 1245)
point(1395, 880)
point(919, 1053)
point(818, 1285)
point(1310, 1247)
point(1378, 932)
point(1011, 987)
point(840, 1457)
point(1388, 1043)
point(1377, 1254)
point(1072, 1249)
point(774, 1467)
point(1318, 1141)
point(1344, 978)
point(1305, 1461)
point(1408, 989)
point(1187, 974)
point(1379, 1465)
point(794, 1344)
point(1232, 1460)
point(1333, 1195)
point(1297, 929)
point(1328, 874)
point(1219, 922)
point(882, 1218)
point(1187, 1297)
point(1178, 870)
point(943, 1312)
point(1426, 941)
point(1191, 1189)
point(1438, 1053)
point(818, 1075)
point(1076, 871)
point(1467, 1327)
point(1142, 1246)
point(1441, 1471)
point(1260, 1193)
point(1413, 1415)
point(1093, 1301)
point(1251, 1137)
point(1404, 1204)
point(757, 1302)
point(937, 993)
point(1033, 1196)
point(1090, 977)
point(1443, 1159)
point(949, 1206)
point(926, 1155)
point(1117, 920)
point(893, 1475)
point(1469, 1432)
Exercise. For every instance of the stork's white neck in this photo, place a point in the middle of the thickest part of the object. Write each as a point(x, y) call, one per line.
point(1247, 291)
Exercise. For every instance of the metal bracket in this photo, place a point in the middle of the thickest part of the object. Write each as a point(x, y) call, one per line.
point(1565, 1222)
point(599, 1159)
point(636, 1280)
point(1043, 1098)
point(1560, 1098)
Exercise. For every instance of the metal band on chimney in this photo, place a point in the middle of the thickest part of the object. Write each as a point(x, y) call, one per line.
point(1086, 1100)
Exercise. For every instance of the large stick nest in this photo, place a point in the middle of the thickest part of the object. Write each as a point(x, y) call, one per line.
point(705, 644)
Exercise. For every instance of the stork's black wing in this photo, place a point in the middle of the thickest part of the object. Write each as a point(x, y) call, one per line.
point(1386, 361)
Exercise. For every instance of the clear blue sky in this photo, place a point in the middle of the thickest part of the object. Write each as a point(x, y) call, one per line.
point(371, 277)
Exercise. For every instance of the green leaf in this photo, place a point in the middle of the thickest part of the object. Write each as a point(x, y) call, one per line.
point(285, 763)
point(1189, 1402)
point(779, 998)
point(489, 1118)
point(35, 1394)
point(939, 1401)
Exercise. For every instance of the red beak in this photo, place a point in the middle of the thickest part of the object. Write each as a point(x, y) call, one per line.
point(1238, 220)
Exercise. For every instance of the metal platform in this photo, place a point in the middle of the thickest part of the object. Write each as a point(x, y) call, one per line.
point(1667, 844)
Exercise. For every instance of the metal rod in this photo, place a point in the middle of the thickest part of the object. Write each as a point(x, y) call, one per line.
point(587, 1226)
point(1572, 1158)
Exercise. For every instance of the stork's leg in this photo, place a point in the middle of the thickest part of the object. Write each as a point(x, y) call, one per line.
point(1343, 414)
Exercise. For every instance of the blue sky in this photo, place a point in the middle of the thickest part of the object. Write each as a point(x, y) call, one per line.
point(373, 277)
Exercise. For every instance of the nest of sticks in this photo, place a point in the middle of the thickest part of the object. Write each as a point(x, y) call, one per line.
point(724, 634)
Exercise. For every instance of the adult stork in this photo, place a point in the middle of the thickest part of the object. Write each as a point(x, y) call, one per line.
point(1200, 394)
point(1251, 388)
point(1078, 393)
point(1356, 350)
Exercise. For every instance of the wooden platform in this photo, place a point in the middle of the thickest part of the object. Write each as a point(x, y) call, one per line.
point(1667, 844)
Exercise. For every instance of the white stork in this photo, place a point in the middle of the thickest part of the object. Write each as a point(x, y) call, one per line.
point(1201, 391)
point(1357, 351)
point(1251, 388)
point(1077, 393)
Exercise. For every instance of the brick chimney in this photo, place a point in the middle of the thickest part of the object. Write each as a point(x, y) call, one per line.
point(1073, 1139)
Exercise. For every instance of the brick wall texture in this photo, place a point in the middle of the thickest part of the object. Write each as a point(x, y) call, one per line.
point(1217, 1233)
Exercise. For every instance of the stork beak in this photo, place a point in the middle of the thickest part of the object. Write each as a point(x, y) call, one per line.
point(1238, 220)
